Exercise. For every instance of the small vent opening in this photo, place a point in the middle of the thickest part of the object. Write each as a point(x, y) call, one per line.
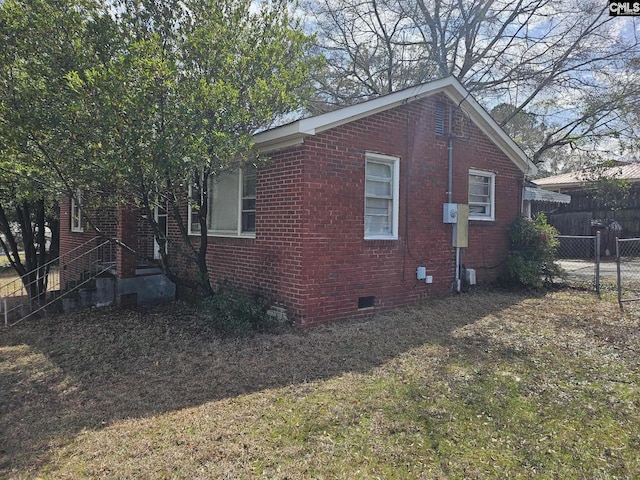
point(440, 129)
point(366, 302)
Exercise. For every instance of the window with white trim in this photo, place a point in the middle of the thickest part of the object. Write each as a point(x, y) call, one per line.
point(76, 213)
point(381, 197)
point(232, 205)
point(482, 185)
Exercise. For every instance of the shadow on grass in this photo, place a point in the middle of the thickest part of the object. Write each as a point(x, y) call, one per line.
point(87, 370)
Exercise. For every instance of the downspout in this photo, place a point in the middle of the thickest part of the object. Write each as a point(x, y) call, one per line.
point(522, 192)
point(450, 165)
point(450, 193)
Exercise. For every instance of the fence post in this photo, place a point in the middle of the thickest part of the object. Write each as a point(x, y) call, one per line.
point(618, 272)
point(597, 253)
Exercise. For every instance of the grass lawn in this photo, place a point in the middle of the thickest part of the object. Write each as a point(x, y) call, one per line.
point(481, 385)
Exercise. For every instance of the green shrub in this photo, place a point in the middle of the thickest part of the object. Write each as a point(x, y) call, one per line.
point(229, 311)
point(531, 261)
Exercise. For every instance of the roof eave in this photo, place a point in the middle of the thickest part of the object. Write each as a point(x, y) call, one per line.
point(294, 133)
point(490, 127)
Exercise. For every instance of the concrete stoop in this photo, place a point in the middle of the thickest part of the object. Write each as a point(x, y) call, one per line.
point(108, 290)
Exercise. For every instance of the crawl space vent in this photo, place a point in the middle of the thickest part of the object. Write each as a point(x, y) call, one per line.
point(366, 302)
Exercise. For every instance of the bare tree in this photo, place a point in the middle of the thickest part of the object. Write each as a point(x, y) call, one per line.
point(558, 61)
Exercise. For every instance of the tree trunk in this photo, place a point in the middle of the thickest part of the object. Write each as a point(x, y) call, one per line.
point(32, 219)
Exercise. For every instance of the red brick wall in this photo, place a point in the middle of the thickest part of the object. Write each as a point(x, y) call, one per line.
point(108, 221)
point(105, 219)
point(310, 253)
point(340, 266)
point(271, 264)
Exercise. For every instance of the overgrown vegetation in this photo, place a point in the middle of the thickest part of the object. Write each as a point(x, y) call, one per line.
point(484, 385)
point(532, 261)
point(230, 311)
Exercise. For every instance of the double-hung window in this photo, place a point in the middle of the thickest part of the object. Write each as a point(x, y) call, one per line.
point(481, 195)
point(76, 213)
point(232, 205)
point(381, 197)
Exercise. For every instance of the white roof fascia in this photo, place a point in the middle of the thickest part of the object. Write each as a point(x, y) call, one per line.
point(490, 127)
point(294, 133)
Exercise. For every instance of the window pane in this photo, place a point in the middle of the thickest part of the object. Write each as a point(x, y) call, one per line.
point(377, 206)
point(379, 189)
point(377, 225)
point(480, 195)
point(249, 200)
point(475, 189)
point(248, 204)
point(478, 198)
point(379, 170)
point(195, 222)
point(223, 210)
point(380, 196)
point(248, 221)
point(249, 182)
point(194, 199)
point(478, 179)
point(76, 213)
point(478, 209)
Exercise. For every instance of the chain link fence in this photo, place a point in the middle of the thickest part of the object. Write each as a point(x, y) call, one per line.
point(628, 269)
point(579, 257)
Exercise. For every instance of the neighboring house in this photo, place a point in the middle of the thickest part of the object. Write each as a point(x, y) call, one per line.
point(353, 212)
point(585, 213)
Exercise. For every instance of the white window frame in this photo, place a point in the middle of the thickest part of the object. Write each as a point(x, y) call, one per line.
point(491, 214)
point(238, 232)
point(76, 220)
point(394, 162)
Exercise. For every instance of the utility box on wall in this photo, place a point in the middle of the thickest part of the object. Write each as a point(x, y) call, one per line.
point(461, 227)
point(450, 213)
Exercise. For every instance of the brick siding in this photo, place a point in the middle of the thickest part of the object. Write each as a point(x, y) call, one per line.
point(310, 254)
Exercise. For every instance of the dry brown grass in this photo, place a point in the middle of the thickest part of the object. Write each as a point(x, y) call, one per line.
point(7, 276)
point(485, 385)
point(11, 286)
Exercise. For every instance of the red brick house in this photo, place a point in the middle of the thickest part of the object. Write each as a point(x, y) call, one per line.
point(354, 211)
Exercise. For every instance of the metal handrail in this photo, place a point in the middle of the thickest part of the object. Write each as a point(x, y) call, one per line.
point(5, 289)
point(96, 267)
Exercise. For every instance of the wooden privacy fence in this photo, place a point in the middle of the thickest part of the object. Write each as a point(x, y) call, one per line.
point(573, 223)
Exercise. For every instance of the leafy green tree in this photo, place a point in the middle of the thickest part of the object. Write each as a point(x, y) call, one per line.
point(39, 42)
point(606, 184)
point(154, 97)
point(192, 82)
